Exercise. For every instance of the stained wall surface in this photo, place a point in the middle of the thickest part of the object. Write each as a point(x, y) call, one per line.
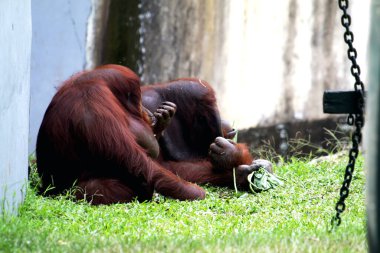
point(269, 61)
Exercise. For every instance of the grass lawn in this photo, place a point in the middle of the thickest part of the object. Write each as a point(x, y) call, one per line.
point(292, 218)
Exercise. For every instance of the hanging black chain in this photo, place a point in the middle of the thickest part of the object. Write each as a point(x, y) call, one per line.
point(353, 119)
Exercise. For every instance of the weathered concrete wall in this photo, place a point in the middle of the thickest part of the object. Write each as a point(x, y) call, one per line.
point(184, 38)
point(15, 37)
point(58, 51)
point(96, 28)
point(270, 61)
point(121, 39)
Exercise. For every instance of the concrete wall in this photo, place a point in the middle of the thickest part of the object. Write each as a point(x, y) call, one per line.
point(58, 51)
point(15, 37)
point(269, 61)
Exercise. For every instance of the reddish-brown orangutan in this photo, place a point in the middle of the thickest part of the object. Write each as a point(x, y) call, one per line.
point(116, 141)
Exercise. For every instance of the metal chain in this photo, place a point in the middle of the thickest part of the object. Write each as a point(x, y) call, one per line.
point(353, 119)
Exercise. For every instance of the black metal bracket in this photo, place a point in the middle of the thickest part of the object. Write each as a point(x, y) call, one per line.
point(341, 102)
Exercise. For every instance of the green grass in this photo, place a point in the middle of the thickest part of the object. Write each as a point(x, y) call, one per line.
point(293, 218)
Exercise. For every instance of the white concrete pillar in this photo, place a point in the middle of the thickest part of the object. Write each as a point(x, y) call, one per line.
point(15, 50)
